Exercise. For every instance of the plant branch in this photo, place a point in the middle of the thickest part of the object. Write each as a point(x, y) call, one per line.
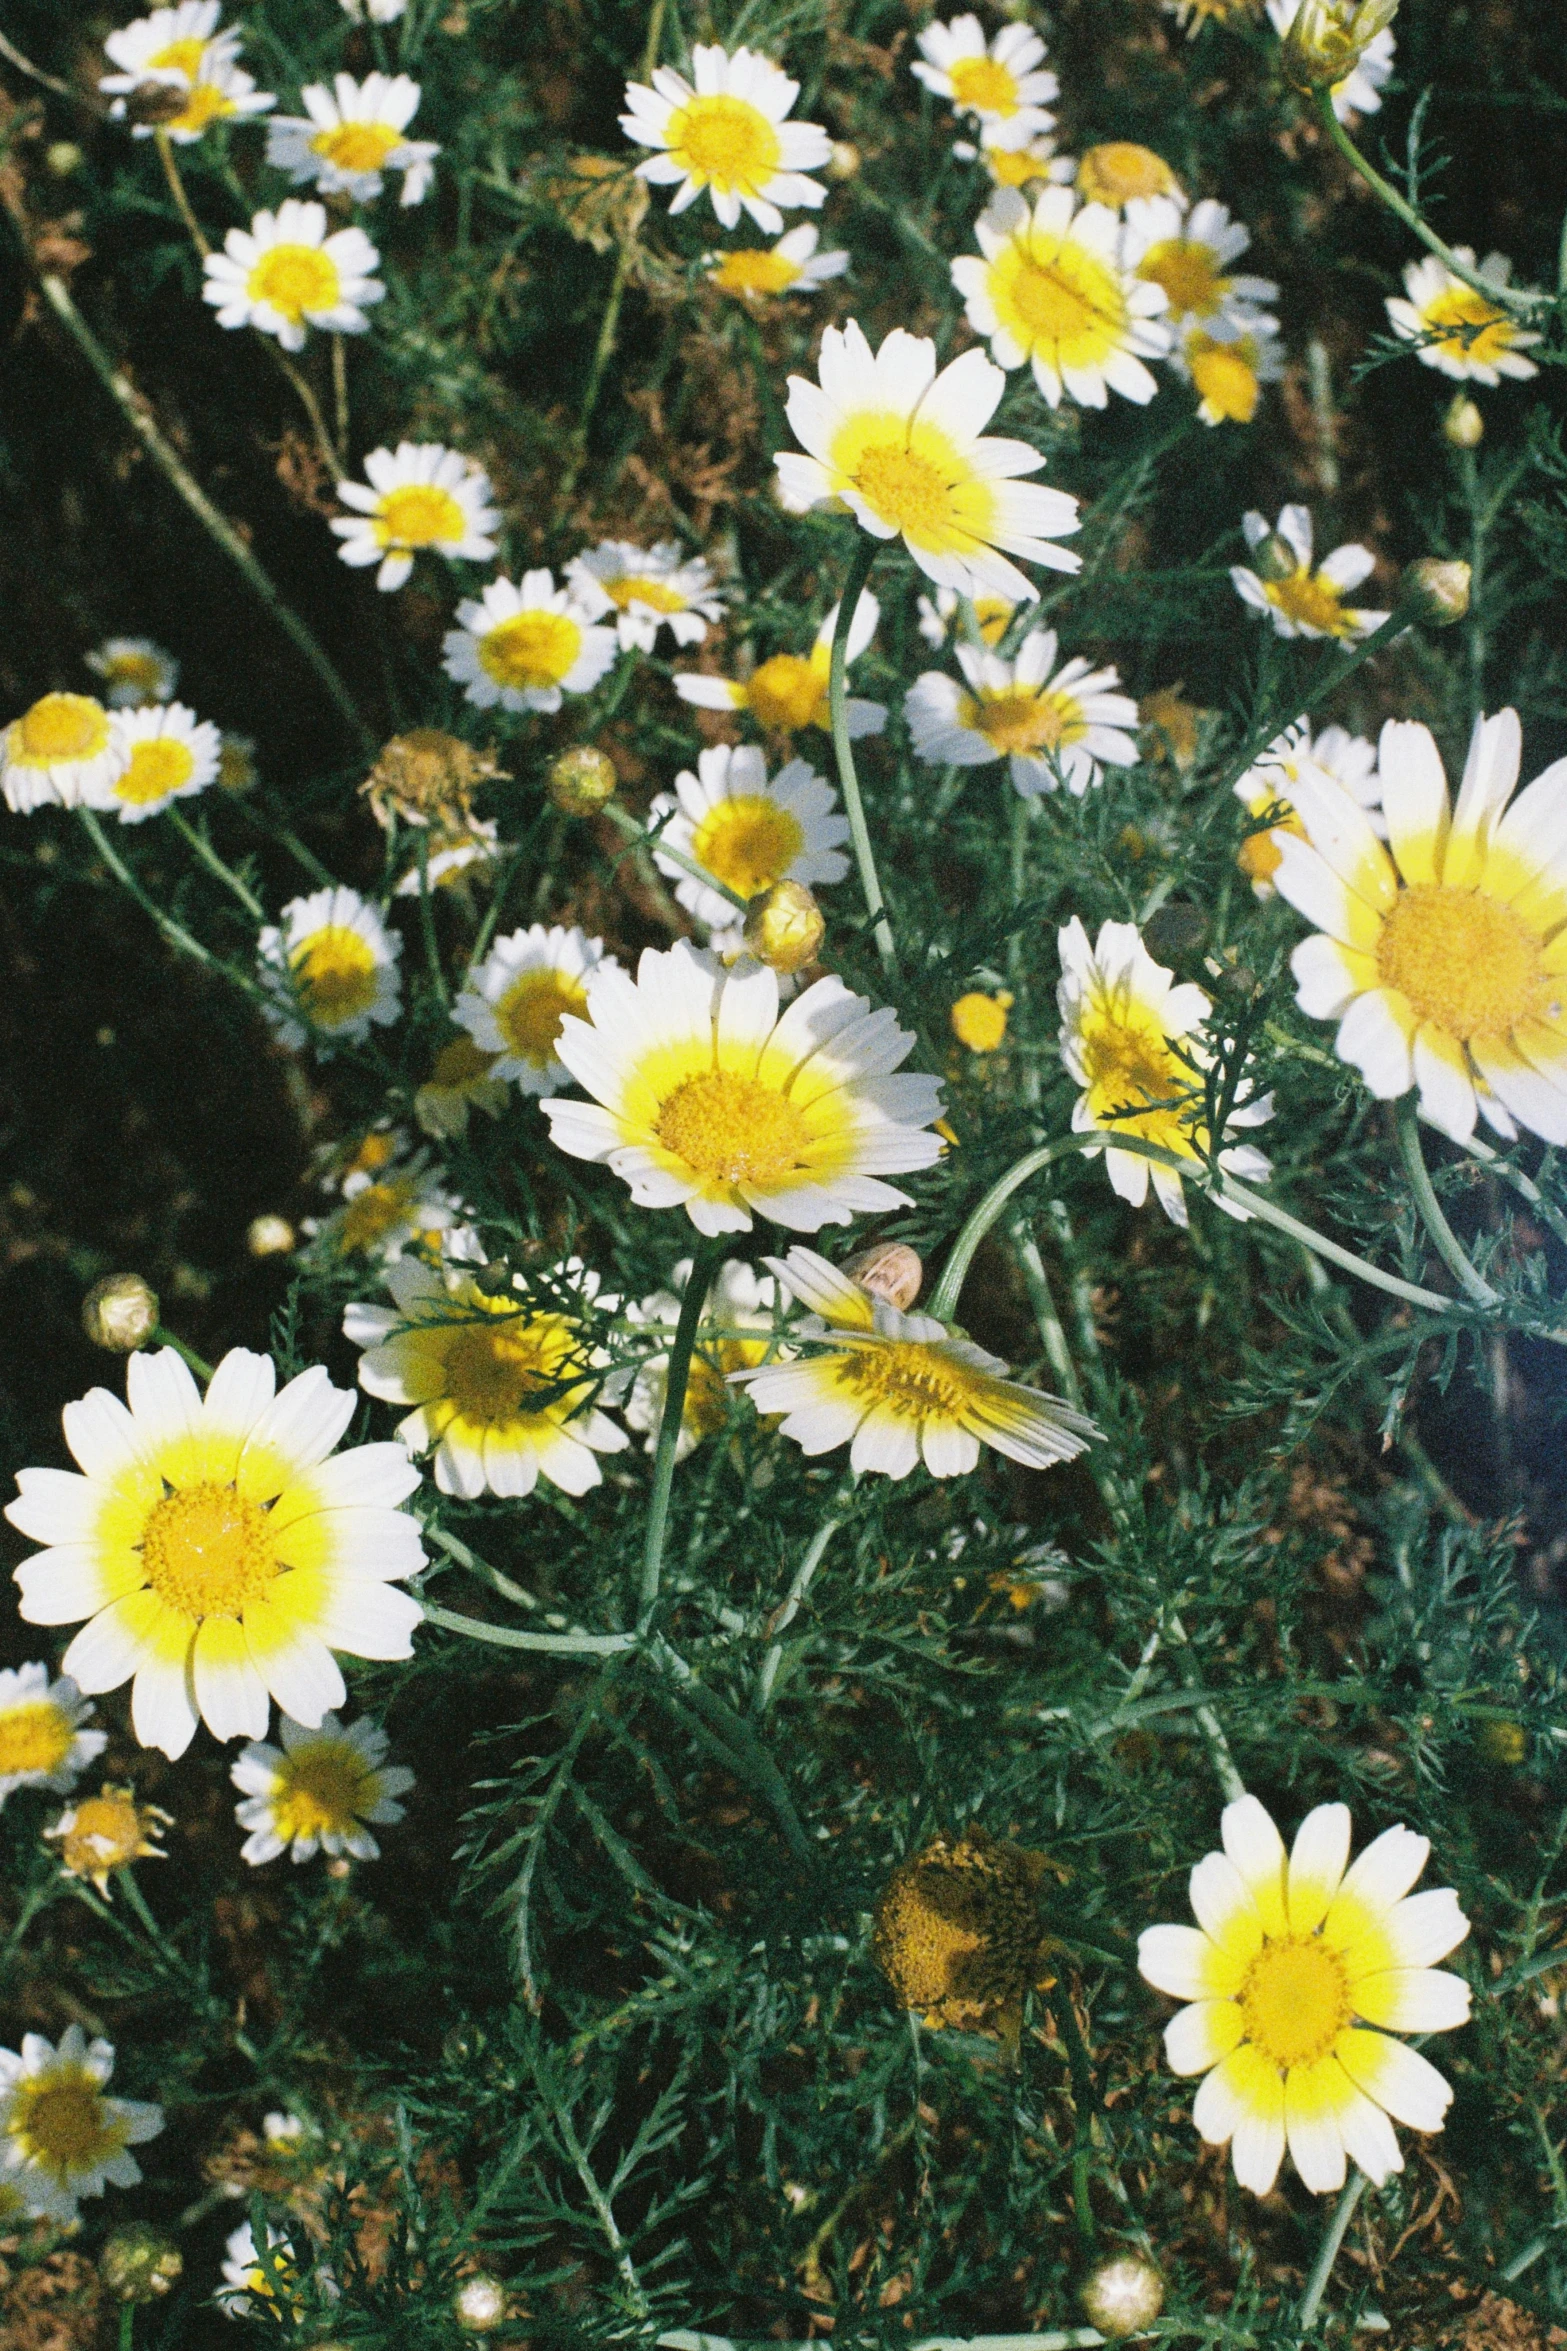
point(865, 552)
point(703, 1266)
point(1445, 1240)
point(1322, 2267)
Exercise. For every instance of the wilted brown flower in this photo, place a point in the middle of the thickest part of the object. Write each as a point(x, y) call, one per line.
point(427, 777)
point(959, 1934)
point(108, 1831)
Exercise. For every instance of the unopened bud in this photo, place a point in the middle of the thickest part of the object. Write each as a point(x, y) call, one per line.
point(479, 2304)
point(1328, 38)
point(269, 1236)
point(890, 1270)
point(139, 2263)
point(1438, 591)
point(1273, 558)
point(785, 927)
point(120, 1313)
point(1123, 2296)
point(581, 780)
point(843, 160)
point(62, 157)
point(1463, 423)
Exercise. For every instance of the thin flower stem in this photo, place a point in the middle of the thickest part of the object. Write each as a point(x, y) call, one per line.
point(167, 1338)
point(432, 945)
point(1042, 1299)
point(1322, 2267)
point(310, 404)
point(1321, 1246)
point(624, 822)
point(1220, 1754)
point(703, 1266)
point(859, 832)
point(127, 2326)
point(182, 202)
point(139, 417)
point(503, 1636)
point(215, 864)
point(173, 931)
point(944, 1298)
point(340, 391)
point(46, 81)
point(793, 1599)
point(1397, 621)
point(1446, 1241)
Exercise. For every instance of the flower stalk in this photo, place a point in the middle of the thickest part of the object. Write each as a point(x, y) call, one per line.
point(843, 751)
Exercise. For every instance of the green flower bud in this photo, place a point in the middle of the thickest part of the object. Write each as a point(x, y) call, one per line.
point(1463, 424)
point(581, 780)
point(785, 927)
point(1438, 591)
point(120, 1313)
point(1328, 38)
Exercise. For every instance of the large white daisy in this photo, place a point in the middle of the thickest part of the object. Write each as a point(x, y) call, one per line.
point(999, 83)
point(329, 969)
point(747, 830)
point(61, 2137)
point(352, 133)
point(1054, 289)
point(726, 131)
point(1052, 726)
point(1304, 600)
point(420, 495)
point(526, 647)
point(1455, 329)
point(646, 588)
point(42, 1742)
point(789, 691)
point(284, 274)
point(516, 999)
point(169, 754)
point(63, 752)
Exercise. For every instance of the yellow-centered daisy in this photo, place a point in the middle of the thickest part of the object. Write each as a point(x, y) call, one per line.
point(726, 131)
point(999, 83)
point(1228, 373)
point(1118, 170)
point(170, 754)
point(1189, 254)
point(1055, 290)
point(318, 1792)
point(42, 1742)
point(1052, 726)
point(1456, 330)
point(526, 647)
point(421, 498)
point(218, 1554)
point(134, 670)
point(516, 999)
point(789, 691)
point(1266, 788)
point(284, 274)
point(170, 45)
point(1303, 599)
point(792, 266)
point(707, 1099)
point(61, 2136)
point(63, 752)
point(1292, 1959)
point(329, 969)
point(747, 830)
point(351, 134)
point(646, 588)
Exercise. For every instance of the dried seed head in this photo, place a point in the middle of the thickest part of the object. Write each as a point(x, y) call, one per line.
point(1123, 2296)
point(427, 777)
point(581, 780)
point(959, 1935)
point(1438, 591)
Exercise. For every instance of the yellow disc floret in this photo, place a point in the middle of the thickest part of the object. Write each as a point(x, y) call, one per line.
point(733, 1129)
point(1294, 2001)
point(418, 515)
point(531, 651)
point(1464, 961)
point(357, 146)
point(335, 974)
point(34, 1737)
point(159, 766)
point(294, 280)
point(206, 1551)
point(725, 141)
point(61, 726)
point(749, 842)
point(531, 1011)
point(982, 86)
point(1052, 293)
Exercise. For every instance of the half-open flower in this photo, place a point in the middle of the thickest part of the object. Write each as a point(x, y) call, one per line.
point(1302, 599)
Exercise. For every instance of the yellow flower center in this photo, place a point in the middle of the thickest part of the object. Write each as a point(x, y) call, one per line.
point(706, 1408)
point(179, 57)
point(726, 141)
point(1136, 1084)
point(418, 515)
point(357, 146)
point(206, 1551)
point(733, 1129)
point(1311, 602)
point(531, 1011)
point(371, 1214)
point(1295, 2001)
point(531, 651)
point(294, 280)
point(981, 86)
point(373, 1152)
point(1021, 720)
point(658, 595)
point(1465, 961)
point(207, 102)
point(788, 692)
point(494, 1368)
point(1052, 292)
point(34, 1737)
point(160, 764)
point(1014, 167)
point(143, 670)
point(62, 2123)
point(979, 1021)
point(1188, 274)
point(993, 614)
point(459, 1065)
point(326, 1788)
point(912, 1378)
point(1461, 306)
point(1225, 375)
point(748, 842)
point(1119, 170)
point(748, 271)
point(914, 477)
point(1259, 856)
point(335, 975)
point(62, 726)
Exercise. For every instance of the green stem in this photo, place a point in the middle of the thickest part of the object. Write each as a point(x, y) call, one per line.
point(1261, 735)
point(167, 1338)
point(432, 946)
point(215, 865)
point(174, 932)
point(502, 1636)
point(816, 1552)
point(625, 822)
point(865, 553)
point(1446, 1241)
point(1220, 1754)
point(703, 1266)
point(1515, 1178)
point(1322, 2267)
point(1042, 1300)
point(1266, 1213)
point(127, 2326)
point(945, 1296)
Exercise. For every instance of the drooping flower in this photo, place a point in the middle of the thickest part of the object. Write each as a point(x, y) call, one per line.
point(646, 588)
point(351, 134)
point(170, 754)
point(789, 691)
point(1456, 330)
point(1360, 91)
point(1348, 759)
point(420, 496)
point(217, 1553)
point(792, 266)
point(170, 45)
point(1303, 601)
point(319, 1791)
point(42, 1742)
point(461, 1080)
point(134, 671)
point(1441, 955)
point(220, 93)
point(1118, 170)
point(726, 131)
point(1189, 254)
point(1055, 289)
point(1228, 375)
point(740, 1300)
point(470, 846)
point(526, 647)
point(704, 1098)
point(61, 2137)
point(516, 999)
point(406, 1208)
point(1052, 726)
point(902, 448)
point(284, 274)
point(109, 1831)
point(504, 1388)
point(1293, 1958)
point(1131, 1037)
point(900, 1388)
point(62, 753)
point(747, 830)
point(999, 84)
point(329, 968)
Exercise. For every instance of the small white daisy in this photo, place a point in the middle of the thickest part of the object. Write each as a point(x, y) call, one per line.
point(220, 93)
point(1000, 85)
point(284, 274)
point(171, 46)
point(42, 1743)
point(1346, 759)
point(246, 2288)
point(61, 2138)
point(318, 1792)
point(1306, 602)
point(393, 1211)
point(329, 967)
point(1053, 729)
point(1455, 329)
point(646, 588)
point(352, 134)
point(469, 848)
point(1019, 167)
point(170, 754)
point(526, 647)
point(1055, 288)
point(61, 753)
point(747, 831)
point(789, 691)
point(516, 999)
point(1228, 375)
point(420, 495)
point(792, 266)
point(1189, 254)
point(725, 131)
point(134, 670)
point(937, 613)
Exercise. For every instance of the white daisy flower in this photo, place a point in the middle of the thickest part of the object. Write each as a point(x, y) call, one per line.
point(284, 274)
point(329, 967)
point(1360, 92)
point(422, 495)
point(171, 46)
point(936, 615)
point(221, 92)
point(505, 1389)
point(792, 266)
point(316, 1794)
point(246, 2287)
point(747, 831)
point(1228, 374)
point(646, 588)
point(1131, 1037)
point(739, 1300)
point(42, 1743)
point(170, 754)
point(61, 753)
point(1306, 602)
point(726, 131)
point(1053, 726)
point(388, 1212)
point(789, 691)
point(1345, 759)
point(1188, 253)
point(1455, 329)
point(134, 670)
point(516, 999)
point(706, 1099)
point(350, 135)
point(900, 1388)
point(461, 1080)
point(1019, 167)
point(901, 447)
point(61, 2138)
point(526, 647)
point(1054, 290)
point(999, 84)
